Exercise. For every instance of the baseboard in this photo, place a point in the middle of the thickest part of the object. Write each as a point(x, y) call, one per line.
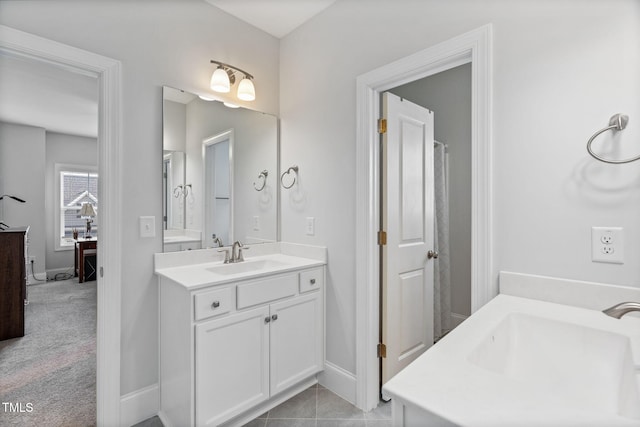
point(338, 380)
point(53, 271)
point(139, 405)
point(456, 319)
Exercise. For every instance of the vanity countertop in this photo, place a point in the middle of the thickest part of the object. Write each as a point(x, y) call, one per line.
point(200, 268)
point(526, 362)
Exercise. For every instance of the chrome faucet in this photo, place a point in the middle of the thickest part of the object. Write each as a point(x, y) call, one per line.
point(621, 309)
point(217, 240)
point(237, 256)
point(234, 256)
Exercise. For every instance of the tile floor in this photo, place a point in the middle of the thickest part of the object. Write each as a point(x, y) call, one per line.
point(314, 407)
point(319, 407)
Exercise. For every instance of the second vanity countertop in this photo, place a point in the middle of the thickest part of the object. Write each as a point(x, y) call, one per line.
point(200, 268)
point(526, 362)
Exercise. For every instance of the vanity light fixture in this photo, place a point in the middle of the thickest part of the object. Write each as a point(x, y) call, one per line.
point(225, 76)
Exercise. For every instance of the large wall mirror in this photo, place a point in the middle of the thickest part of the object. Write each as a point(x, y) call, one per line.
point(220, 170)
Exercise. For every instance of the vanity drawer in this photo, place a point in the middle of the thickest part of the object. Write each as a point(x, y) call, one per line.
point(213, 303)
point(311, 280)
point(267, 290)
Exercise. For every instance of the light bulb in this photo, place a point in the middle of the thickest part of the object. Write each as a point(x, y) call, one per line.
point(246, 90)
point(220, 81)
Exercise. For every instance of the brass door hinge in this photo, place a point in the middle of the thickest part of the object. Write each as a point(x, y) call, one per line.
point(382, 238)
point(382, 125)
point(382, 350)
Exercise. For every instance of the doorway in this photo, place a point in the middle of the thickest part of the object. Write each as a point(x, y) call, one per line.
point(217, 155)
point(108, 73)
point(474, 48)
point(407, 220)
point(448, 95)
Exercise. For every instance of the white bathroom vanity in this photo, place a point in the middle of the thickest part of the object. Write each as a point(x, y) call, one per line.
point(237, 339)
point(542, 353)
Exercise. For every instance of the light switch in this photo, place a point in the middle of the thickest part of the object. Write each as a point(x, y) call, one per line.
point(256, 223)
point(310, 228)
point(147, 226)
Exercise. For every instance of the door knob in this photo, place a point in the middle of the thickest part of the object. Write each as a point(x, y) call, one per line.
point(432, 254)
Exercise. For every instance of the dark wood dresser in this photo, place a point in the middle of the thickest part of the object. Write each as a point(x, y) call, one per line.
point(13, 281)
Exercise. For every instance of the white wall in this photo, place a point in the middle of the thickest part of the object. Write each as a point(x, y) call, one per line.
point(448, 95)
point(159, 43)
point(561, 69)
point(71, 150)
point(22, 166)
point(174, 129)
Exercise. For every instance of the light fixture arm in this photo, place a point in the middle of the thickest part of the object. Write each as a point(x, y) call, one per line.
point(17, 199)
point(228, 67)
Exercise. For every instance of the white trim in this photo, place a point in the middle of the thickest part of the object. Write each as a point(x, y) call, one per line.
point(341, 382)
point(139, 405)
point(108, 73)
point(227, 135)
point(474, 47)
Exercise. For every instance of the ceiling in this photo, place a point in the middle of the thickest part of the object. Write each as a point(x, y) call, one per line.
point(276, 17)
point(43, 95)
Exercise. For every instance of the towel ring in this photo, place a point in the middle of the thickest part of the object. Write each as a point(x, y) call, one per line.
point(262, 175)
point(287, 172)
point(617, 123)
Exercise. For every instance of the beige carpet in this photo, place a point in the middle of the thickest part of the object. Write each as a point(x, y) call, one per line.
point(48, 377)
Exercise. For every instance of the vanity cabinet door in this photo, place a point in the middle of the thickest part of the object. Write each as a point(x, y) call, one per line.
point(232, 365)
point(297, 337)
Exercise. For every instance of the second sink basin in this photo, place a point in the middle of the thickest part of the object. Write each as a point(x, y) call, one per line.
point(245, 267)
point(594, 366)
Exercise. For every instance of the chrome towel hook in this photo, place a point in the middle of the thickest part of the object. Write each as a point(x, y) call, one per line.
point(293, 168)
point(617, 123)
point(262, 175)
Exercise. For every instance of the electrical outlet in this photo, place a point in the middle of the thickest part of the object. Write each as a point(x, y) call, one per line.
point(32, 259)
point(256, 223)
point(607, 245)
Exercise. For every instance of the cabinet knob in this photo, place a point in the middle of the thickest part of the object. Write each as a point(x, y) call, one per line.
point(312, 281)
point(267, 319)
point(274, 317)
point(215, 304)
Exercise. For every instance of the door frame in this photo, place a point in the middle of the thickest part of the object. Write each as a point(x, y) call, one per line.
point(227, 135)
point(108, 73)
point(474, 47)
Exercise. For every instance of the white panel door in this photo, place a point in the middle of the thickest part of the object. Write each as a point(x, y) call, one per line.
point(297, 337)
point(408, 219)
point(232, 365)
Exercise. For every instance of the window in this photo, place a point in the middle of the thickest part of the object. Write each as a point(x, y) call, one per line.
point(77, 185)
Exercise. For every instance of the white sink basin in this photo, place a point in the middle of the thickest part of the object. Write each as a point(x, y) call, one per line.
point(245, 267)
point(594, 367)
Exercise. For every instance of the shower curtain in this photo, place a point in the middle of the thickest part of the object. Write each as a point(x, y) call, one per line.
point(442, 272)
